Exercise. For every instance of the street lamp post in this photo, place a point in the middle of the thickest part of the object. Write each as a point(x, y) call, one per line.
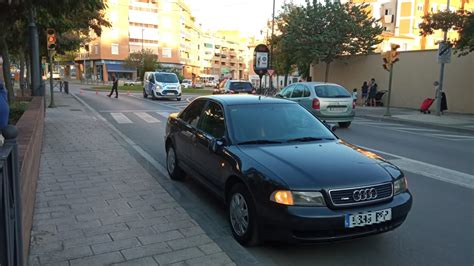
point(439, 93)
point(271, 45)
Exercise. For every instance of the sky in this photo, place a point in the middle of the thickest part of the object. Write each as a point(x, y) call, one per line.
point(248, 16)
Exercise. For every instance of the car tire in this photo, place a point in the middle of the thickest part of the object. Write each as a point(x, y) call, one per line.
point(144, 94)
point(175, 172)
point(242, 216)
point(178, 99)
point(344, 124)
point(153, 95)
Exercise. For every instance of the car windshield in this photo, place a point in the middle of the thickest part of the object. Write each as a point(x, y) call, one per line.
point(240, 86)
point(166, 78)
point(331, 91)
point(273, 123)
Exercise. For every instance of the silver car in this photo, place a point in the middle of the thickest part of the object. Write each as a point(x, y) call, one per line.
point(329, 102)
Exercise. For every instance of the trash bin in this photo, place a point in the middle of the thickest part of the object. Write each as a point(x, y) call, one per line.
point(66, 87)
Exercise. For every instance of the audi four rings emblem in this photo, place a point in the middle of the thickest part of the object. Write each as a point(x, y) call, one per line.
point(364, 194)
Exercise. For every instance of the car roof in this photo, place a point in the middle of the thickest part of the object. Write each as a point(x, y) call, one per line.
point(245, 99)
point(316, 83)
point(237, 80)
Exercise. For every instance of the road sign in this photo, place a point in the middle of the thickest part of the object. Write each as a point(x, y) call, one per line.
point(260, 59)
point(444, 53)
point(271, 72)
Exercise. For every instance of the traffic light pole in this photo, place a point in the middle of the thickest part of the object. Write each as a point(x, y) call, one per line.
point(51, 85)
point(34, 55)
point(387, 112)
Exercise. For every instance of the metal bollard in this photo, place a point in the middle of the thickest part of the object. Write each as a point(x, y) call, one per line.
point(66, 87)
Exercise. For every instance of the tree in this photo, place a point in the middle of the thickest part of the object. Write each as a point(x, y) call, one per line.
point(143, 61)
point(72, 20)
point(460, 21)
point(340, 30)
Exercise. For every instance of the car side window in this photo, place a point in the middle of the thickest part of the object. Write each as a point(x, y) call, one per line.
point(192, 113)
point(286, 93)
point(212, 121)
point(306, 92)
point(297, 92)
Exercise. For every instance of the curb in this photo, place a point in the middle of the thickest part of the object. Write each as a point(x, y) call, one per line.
point(418, 123)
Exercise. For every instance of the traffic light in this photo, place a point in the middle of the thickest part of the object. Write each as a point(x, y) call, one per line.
point(386, 60)
point(394, 54)
point(391, 57)
point(51, 39)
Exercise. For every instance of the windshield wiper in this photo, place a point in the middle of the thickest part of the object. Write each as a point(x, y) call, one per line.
point(305, 139)
point(259, 141)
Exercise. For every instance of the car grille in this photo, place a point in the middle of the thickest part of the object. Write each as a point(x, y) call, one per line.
point(361, 195)
point(170, 92)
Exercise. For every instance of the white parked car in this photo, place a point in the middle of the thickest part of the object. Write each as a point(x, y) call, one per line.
point(187, 83)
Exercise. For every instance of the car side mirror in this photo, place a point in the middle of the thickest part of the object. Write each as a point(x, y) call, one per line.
point(217, 144)
point(279, 95)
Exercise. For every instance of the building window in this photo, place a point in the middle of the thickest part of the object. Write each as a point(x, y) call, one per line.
point(166, 53)
point(115, 49)
point(208, 45)
point(419, 7)
point(223, 63)
point(96, 49)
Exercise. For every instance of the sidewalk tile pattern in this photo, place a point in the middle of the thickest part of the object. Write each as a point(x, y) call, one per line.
point(96, 205)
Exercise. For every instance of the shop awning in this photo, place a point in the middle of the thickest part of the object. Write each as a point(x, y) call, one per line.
point(119, 68)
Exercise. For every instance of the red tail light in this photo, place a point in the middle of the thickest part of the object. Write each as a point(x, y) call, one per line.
point(353, 105)
point(231, 92)
point(316, 104)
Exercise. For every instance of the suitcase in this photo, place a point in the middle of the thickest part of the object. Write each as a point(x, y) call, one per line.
point(425, 105)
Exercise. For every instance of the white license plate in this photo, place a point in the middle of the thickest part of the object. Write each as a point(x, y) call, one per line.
point(337, 109)
point(367, 218)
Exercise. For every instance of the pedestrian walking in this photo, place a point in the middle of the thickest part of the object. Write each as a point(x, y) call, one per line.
point(4, 108)
point(114, 86)
point(365, 91)
point(354, 95)
point(372, 93)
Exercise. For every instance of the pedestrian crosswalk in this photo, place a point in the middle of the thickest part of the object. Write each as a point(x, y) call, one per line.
point(131, 117)
point(435, 133)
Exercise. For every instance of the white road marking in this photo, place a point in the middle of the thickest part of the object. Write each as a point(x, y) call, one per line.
point(148, 118)
point(164, 114)
point(127, 111)
point(449, 136)
point(120, 118)
point(418, 129)
point(429, 170)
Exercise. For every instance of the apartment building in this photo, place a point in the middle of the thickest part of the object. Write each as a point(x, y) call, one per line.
point(225, 54)
point(400, 19)
point(166, 27)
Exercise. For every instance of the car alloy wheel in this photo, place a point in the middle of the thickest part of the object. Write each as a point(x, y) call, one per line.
point(239, 214)
point(175, 172)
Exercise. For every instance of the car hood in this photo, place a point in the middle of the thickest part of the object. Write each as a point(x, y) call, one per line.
point(322, 165)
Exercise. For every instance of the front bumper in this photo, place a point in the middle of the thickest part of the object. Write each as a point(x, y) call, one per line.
point(163, 94)
point(322, 224)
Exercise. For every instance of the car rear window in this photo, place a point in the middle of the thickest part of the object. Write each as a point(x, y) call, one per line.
point(240, 86)
point(166, 78)
point(331, 91)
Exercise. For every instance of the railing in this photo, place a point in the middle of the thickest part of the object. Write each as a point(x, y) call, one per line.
point(11, 241)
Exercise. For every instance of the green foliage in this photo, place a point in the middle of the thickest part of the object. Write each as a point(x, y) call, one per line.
point(143, 61)
point(323, 32)
point(460, 21)
point(16, 111)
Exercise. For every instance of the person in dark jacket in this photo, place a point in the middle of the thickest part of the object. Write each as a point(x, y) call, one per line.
point(4, 108)
point(365, 91)
point(372, 93)
point(114, 86)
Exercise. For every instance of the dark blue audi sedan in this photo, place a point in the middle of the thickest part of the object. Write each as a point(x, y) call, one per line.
point(282, 173)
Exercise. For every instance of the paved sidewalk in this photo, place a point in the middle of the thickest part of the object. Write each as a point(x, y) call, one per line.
point(450, 121)
point(96, 205)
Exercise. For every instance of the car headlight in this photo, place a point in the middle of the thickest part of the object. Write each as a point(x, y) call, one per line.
point(158, 87)
point(298, 198)
point(400, 185)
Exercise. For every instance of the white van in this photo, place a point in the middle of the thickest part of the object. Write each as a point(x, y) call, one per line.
point(161, 85)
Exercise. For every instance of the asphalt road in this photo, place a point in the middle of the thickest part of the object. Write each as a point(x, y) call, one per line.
point(439, 164)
